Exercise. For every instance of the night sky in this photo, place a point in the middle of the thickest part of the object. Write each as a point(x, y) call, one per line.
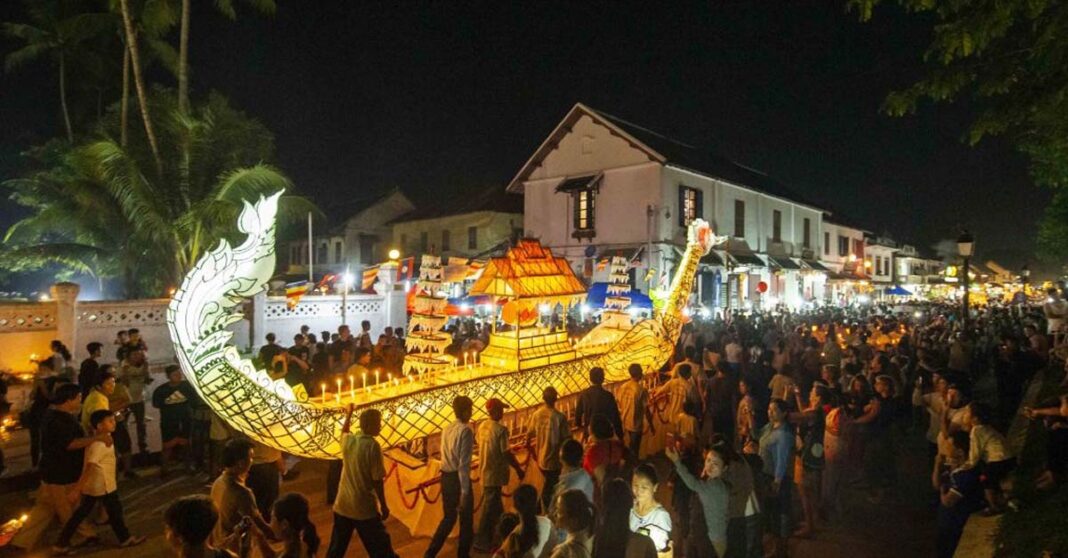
point(436, 98)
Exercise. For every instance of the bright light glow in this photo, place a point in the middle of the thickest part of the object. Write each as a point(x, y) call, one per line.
point(917, 314)
point(705, 312)
point(347, 279)
point(634, 311)
point(585, 308)
point(394, 254)
point(771, 302)
point(487, 308)
point(687, 312)
point(544, 308)
point(464, 307)
point(271, 412)
point(44, 297)
point(864, 299)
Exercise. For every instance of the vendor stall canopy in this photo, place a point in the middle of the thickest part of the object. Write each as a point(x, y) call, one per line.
point(530, 271)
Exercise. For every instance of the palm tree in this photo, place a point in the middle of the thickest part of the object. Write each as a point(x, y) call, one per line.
point(58, 29)
point(139, 82)
point(149, 229)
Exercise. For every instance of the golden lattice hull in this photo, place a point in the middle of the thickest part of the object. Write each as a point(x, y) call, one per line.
point(268, 410)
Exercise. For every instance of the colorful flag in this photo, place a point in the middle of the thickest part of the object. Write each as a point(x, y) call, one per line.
point(405, 268)
point(369, 276)
point(294, 291)
point(328, 278)
point(474, 269)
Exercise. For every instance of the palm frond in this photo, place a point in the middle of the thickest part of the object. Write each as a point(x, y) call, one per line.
point(158, 17)
point(81, 258)
point(226, 8)
point(25, 55)
point(140, 204)
point(164, 52)
point(249, 183)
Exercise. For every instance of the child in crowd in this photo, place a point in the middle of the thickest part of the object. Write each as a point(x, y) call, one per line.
point(990, 449)
point(959, 497)
point(98, 484)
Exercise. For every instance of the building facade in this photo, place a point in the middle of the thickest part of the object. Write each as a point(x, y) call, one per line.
point(473, 226)
point(361, 240)
point(879, 261)
point(599, 186)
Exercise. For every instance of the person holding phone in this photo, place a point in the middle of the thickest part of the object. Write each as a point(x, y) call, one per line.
point(647, 516)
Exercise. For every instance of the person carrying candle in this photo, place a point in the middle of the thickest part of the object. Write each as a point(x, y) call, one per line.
point(361, 500)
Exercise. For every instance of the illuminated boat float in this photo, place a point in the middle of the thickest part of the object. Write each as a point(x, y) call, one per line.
point(521, 359)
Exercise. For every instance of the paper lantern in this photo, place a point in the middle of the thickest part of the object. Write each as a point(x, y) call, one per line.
point(762, 287)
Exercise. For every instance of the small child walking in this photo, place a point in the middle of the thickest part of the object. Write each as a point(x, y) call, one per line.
point(989, 454)
point(98, 484)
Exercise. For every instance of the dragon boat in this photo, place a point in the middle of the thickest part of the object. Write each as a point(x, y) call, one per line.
point(520, 360)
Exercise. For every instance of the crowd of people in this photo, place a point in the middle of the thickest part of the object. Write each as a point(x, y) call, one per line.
point(772, 422)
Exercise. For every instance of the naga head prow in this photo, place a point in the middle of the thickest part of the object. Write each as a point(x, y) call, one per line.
point(699, 241)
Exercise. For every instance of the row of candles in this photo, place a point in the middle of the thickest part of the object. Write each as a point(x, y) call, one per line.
point(470, 359)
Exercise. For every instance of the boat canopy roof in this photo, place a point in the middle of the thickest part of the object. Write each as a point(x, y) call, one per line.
point(529, 271)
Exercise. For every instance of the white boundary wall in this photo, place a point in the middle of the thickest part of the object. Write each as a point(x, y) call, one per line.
point(26, 329)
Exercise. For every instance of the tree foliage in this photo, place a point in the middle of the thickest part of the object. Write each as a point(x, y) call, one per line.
point(100, 209)
point(1009, 59)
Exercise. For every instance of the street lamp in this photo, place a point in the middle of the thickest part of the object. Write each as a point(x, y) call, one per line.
point(965, 244)
point(394, 254)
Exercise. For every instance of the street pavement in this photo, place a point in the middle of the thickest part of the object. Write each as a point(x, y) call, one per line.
point(902, 526)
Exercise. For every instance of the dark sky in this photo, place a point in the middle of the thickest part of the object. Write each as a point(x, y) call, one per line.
point(435, 98)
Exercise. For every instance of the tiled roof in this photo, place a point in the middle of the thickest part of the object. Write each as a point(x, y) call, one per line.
point(493, 198)
point(705, 160)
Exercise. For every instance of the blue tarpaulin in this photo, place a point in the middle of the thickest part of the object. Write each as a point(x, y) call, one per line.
point(596, 294)
point(898, 290)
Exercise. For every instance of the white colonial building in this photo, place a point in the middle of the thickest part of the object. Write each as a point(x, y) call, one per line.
point(879, 254)
point(599, 186)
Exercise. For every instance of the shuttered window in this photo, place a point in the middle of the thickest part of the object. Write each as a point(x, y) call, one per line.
point(691, 205)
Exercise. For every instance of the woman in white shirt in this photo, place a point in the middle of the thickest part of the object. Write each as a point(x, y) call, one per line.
point(530, 539)
point(648, 517)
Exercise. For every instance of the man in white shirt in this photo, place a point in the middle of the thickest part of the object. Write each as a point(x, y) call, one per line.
point(457, 500)
point(495, 456)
